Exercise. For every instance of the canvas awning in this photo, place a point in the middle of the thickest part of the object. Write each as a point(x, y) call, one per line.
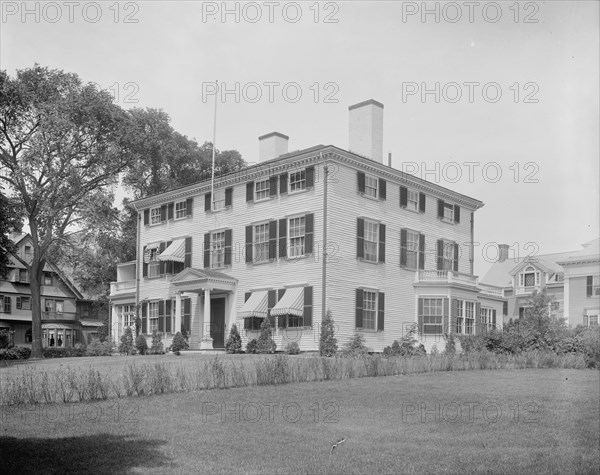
point(175, 252)
point(56, 326)
point(292, 303)
point(255, 306)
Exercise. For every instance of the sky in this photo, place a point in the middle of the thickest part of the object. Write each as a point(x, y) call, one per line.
point(495, 100)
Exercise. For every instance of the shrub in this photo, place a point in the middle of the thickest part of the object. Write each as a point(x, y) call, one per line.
point(234, 342)
point(406, 346)
point(355, 346)
point(126, 345)
point(265, 343)
point(251, 346)
point(450, 346)
point(98, 348)
point(8, 354)
point(327, 341)
point(23, 352)
point(178, 343)
point(156, 347)
point(4, 339)
point(141, 345)
point(292, 348)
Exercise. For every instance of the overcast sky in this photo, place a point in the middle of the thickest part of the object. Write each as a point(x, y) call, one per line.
point(518, 88)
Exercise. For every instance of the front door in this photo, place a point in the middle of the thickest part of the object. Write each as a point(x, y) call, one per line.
point(217, 320)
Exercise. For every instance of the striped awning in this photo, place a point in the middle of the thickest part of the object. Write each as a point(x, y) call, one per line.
point(255, 306)
point(175, 251)
point(292, 303)
point(56, 326)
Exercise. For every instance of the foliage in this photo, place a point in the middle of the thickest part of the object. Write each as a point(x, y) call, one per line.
point(141, 345)
point(4, 338)
point(355, 346)
point(126, 346)
point(406, 346)
point(450, 345)
point(292, 348)
point(251, 346)
point(98, 348)
point(327, 341)
point(234, 341)
point(15, 353)
point(265, 343)
point(10, 220)
point(178, 343)
point(156, 347)
point(64, 352)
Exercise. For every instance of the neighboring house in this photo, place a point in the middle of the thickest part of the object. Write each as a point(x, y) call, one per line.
point(399, 251)
point(572, 278)
point(68, 316)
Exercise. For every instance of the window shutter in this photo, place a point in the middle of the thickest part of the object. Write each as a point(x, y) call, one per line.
point(381, 242)
point(380, 310)
point(207, 250)
point(228, 246)
point(19, 305)
point(273, 186)
point(272, 240)
point(440, 208)
point(382, 189)
point(163, 213)
point(360, 238)
point(403, 197)
point(307, 307)
point(249, 243)
point(505, 308)
point(421, 251)
point(590, 286)
point(455, 263)
point(478, 325)
point(229, 196)
point(283, 182)
point(250, 191)
point(280, 293)
point(187, 259)
point(171, 211)
point(247, 296)
point(446, 316)
point(456, 214)
point(145, 317)
point(421, 202)
point(440, 254)
point(453, 315)
point(207, 203)
point(161, 316)
point(144, 264)
point(310, 177)
point(168, 317)
point(494, 317)
point(271, 301)
point(361, 181)
point(282, 319)
point(167, 308)
point(189, 206)
point(359, 308)
point(146, 217)
point(420, 317)
point(169, 264)
point(403, 238)
point(308, 233)
point(187, 315)
point(283, 237)
point(161, 264)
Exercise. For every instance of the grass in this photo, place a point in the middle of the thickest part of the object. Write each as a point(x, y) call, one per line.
point(549, 423)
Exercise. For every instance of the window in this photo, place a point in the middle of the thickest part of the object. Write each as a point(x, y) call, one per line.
point(152, 316)
point(469, 317)
point(47, 278)
point(488, 317)
point(412, 200)
point(298, 181)
point(28, 253)
point(448, 263)
point(262, 190)
point(412, 249)
point(5, 304)
point(252, 323)
point(448, 212)
point(172, 316)
point(261, 242)
point(369, 310)
point(28, 336)
point(180, 209)
point(54, 306)
point(154, 263)
point(217, 250)
point(371, 186)
point(219, 200)
point(23, 275)
point(155, 215)
point(593, 284)
point(590, 320)
point(297, 236)
point(24, 303)
point(127, 314)
point(529, 278)
point(460, 317)
point(433, 311)
point(371, 240)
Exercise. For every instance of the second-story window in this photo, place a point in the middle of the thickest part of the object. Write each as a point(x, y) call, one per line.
point(529, 278)
point(297, 232)
point(298, 181)
point(153, 264)
point(412, 200)
point(47, 278)
point(412, 249)
point(371, 240)
point(371, 186)
point(28, 253)
point(23, 275)
point(448, 212)
point(261, 190)
point(218, 250)
point(219, 200)
point(261, 242)
point(155, 215)
point(180, 209)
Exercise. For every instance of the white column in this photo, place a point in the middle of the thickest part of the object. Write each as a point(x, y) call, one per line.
point(207, 342)
point(177, 312)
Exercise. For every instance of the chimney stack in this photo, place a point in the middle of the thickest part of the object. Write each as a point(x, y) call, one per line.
point(502, 252)
point(366, 129)
point(272, 146)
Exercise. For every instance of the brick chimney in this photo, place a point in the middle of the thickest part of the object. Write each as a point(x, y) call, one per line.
point(502, 252)
point(272, 146)
point(366, 129)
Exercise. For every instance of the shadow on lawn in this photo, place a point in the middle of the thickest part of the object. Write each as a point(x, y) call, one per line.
point(102, 453)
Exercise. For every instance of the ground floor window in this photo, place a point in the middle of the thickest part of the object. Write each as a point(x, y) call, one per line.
point(469, 317)
point(153, 316)
point(590, 320)
point(290, 321)
point(252, 323)
point(433, 314)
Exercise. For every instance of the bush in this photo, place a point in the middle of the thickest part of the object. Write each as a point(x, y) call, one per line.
point(178, 343)
point(355, 346)
point(9, 354)
point(251, 347)
point(234, 342)
point(156, 347)
point(450, 349)
point(4, 339)
point(126, 345)
point(327, 341)
point(98, 348)
point(265, 343)
point(23, 352)
point(141, 345)
point(292, 348)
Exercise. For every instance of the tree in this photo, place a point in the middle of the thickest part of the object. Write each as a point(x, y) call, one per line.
point(328, 342)
point(265, 343)
point(178, 343)
point(234, 342)
point(10, 220)
point(62, 143)
point(156, 347)
point(126, 345)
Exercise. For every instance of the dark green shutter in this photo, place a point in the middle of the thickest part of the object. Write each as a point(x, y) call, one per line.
point(308, 307)
point(440, 254)
point(420, 317)
point(163, 213)
point(247, 296)
point(283, 237)
point(272, 240)
point(456, 214)
point(381, 256)
point(455, 263)
point(250, 191)
point(310, 177)
point(171, 211)
point(308, 233)
point(382, 189)
point(283, 183)
point(273, 186)
point(187, 260)
point(403, 197)
point(207, 250)
point(229, 196)
point(505, 308)
point(189, 205)
point(403, 239)
point(421, 251)
point(187, 315)
point(590, 285)
point(146, 217)
point(228, 246)
point(360, 176)
point(271, 301)
point(161, 316)
point(144, 264)
point(249, 243)
point(440, 208)
point(145, 317)
point(207, 202)
point(168, 316)
point(380, 311)
point(494, 318)
point(359, 308)
point(421, 202)
point(360, 238)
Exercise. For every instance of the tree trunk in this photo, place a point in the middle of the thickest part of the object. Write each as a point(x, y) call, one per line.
point(35, 275)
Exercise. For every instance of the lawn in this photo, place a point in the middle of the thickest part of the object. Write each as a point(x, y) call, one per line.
point(524, 421)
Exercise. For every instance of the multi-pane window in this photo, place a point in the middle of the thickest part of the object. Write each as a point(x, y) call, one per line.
point(487, 318)
point(596, 287)
point(261, 242)
point(412, 249)
point(371, 240)
point(24, 303)
point(298, 181)
point(219, 200)
point(5, 303)
point(448, 212)
point(433, 311)
point(53, 306)
point(590, 320)
point(127, 314)
point(23, 275)
point(369, 310)
point(261, 190)
point(371, 184)
point(218, 250)
point(155, 215)
point(529, 278)
point(469, 317)
point(47, 278)
point(180, 209)
point(448, 256)
point(297, 237)
point(460, 317)
point(153, 264)
point(28, 253)
point(412, 200)
point(152, 316)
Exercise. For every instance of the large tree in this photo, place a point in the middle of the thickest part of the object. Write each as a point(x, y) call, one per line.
point(10, 220)
point(62, 143)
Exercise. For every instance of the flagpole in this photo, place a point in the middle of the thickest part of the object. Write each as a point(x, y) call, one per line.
point(212, 174)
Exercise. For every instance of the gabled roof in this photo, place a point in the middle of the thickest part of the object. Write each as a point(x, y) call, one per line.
point(536, 262)
point(191, 274)
point(589, 252)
